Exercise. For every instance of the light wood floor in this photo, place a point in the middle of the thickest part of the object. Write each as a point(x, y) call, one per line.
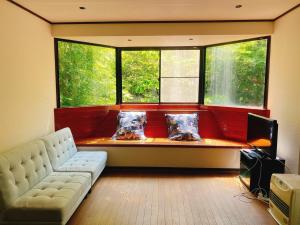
point(162, 198)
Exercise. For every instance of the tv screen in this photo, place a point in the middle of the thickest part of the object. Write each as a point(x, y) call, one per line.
point(262, 134)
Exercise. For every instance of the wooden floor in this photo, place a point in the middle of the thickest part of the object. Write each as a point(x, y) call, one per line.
point(164, 198)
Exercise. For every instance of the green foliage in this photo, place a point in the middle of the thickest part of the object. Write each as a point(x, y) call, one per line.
point(140, 76)
point(86, 74)
point(235, 74)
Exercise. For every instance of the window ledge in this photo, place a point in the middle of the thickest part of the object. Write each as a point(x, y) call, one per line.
point(159, 142)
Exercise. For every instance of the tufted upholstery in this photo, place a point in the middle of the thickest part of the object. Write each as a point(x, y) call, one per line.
point(22, 168)
point(31, 193)
point(64, 156)
point(53, 199)
point(60, 146)
point(89, 161)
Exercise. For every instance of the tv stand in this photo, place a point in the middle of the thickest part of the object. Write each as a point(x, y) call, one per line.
point(256, 170)
point(254, 153)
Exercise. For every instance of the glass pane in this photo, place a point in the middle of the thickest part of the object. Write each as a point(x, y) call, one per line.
point(179, 90)
point(87, 74)
point(140, 76)
point(235, 74)
point(180, 63)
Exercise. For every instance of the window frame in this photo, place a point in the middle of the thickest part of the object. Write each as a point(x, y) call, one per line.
point(156, 49)
point(56, 55)
point(121, 77)
point(267, 69)
point(199, 73)
point(202, 69)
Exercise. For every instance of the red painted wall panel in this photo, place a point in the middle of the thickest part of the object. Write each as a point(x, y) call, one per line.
point(233, 122)
point(101, 121)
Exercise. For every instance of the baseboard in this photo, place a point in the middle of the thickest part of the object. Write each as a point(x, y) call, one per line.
point(171, 170)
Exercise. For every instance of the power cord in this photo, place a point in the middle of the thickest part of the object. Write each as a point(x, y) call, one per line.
point(258, 193)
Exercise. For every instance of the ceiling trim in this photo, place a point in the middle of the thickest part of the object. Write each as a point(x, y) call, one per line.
point(29, 11)
point(287, 12)
point(173, 21)
point(164, 21)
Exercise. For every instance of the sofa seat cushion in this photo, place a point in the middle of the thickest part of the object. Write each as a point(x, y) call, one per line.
point(90, 161)
point(53, 199)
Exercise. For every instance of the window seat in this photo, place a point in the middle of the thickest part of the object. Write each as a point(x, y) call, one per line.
point(223, 129)
point(159, 142)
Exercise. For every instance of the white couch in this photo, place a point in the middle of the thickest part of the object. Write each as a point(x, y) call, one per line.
point(31, 193)
point(64, 156)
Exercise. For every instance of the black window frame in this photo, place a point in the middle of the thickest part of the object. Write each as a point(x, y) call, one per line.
point(202, 63)
point(267, 69)
point(120, 75)
point(56, 55)
point(199, 74)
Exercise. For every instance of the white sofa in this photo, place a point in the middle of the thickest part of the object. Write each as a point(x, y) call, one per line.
point(64, 156)
point(31, 193)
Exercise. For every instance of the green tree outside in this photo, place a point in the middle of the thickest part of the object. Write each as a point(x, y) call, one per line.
point(235, 74)
point(140, 76)
point(87, 74)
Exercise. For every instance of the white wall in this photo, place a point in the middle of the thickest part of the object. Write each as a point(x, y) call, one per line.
point(228, 158)
point(163, 29)
point(27, 76)
point(284, 86)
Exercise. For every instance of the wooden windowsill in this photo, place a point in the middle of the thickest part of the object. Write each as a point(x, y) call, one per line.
point(159, 142)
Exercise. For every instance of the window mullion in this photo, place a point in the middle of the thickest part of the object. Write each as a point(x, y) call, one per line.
point(57, 73)
point(267, 72)
point(159, 76)
point(202, 75)
point(118, 76)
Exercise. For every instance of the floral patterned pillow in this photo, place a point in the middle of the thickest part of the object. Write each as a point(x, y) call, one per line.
point(130, 126)
point(183, 127)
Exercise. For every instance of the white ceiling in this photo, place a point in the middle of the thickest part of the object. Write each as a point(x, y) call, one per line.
point(156, 41)
point(156, 10)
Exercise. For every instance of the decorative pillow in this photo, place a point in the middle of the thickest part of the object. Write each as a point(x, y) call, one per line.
point(130, 126)
point(183, 127)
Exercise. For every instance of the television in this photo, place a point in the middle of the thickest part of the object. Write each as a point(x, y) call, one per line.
point(262, 134)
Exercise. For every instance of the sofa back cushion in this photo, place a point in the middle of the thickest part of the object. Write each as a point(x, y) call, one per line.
point(60, 146)
point(21, 168)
